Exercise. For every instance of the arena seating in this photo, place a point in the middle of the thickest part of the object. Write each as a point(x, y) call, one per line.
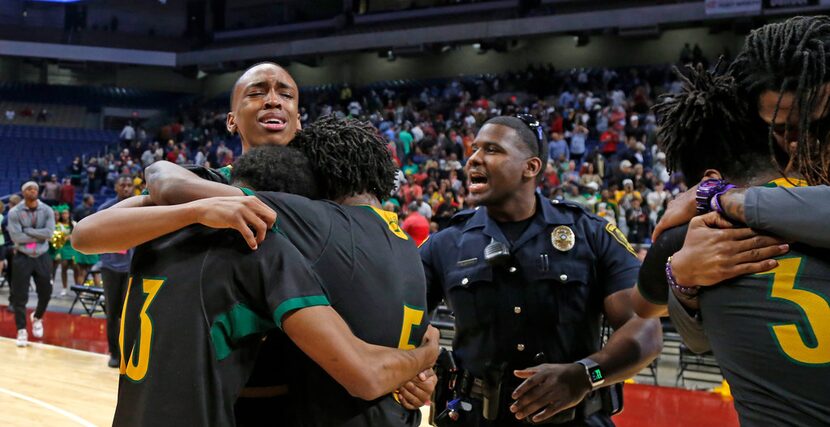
point(24, 148)
point(93, 97)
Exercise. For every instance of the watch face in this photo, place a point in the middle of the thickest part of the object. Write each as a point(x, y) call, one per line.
point(596, 374)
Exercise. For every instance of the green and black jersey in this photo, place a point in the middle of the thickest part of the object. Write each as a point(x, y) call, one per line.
point(371, 272)
point(197, 305)
point(770, 333)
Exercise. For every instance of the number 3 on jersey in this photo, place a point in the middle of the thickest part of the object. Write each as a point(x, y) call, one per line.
point(135, 368)
point(412, 318)
point(810, 345)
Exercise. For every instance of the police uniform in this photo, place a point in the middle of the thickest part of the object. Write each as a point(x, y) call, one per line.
point(542, 304)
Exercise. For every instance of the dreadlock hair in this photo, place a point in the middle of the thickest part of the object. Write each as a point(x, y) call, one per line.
point(706, 125)
point(347, 157)
point(275, 168)
point(792, 56)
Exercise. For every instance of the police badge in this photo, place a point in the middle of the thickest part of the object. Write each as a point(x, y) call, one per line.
point(562, 238)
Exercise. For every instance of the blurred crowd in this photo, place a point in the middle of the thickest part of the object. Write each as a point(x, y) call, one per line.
point(598, 126)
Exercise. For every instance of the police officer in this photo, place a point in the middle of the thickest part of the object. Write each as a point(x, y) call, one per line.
point(529, 280)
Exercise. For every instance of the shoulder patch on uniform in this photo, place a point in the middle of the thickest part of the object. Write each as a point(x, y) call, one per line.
point(620, 237)
point(462, 216)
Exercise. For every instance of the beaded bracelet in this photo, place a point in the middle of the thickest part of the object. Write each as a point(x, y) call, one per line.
point(687, 291)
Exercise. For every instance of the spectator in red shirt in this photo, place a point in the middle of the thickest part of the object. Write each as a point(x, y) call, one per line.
point(67, 193)
point(415, 225)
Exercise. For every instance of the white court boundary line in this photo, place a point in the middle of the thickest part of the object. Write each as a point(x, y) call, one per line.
point(43, 344)
point(48, 406)
point(41, 403)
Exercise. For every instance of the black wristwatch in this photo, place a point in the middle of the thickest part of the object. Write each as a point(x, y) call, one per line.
point(595, 375)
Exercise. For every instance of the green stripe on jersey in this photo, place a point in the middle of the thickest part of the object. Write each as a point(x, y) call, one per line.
point(237, 323)
point(226, 171)
point(296, 304)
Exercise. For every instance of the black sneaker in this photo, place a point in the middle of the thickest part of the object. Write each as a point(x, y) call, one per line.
point(114, 362)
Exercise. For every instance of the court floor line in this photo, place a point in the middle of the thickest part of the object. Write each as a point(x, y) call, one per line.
point(45, 405)
point(43, 344)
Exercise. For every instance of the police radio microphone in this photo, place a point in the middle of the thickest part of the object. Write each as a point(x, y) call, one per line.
point(496, 253)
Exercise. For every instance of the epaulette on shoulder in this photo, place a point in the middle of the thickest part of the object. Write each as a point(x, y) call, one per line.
point(462, 216)
point(568, 204)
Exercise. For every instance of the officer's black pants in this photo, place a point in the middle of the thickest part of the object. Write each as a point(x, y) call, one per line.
point(26, 267)
point(115, 290)
point(474, 418)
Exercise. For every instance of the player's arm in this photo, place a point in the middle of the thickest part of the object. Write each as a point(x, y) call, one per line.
point(551, 388)
point(113, 230)
point(714, 251)
point(650, 295)
point(170, 184)
point(681, 311)
point(762, 209)
point(366, 371)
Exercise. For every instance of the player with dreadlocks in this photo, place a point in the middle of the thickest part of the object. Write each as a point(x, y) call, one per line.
point(752, 322)
point(364, 261)
point(782, 75)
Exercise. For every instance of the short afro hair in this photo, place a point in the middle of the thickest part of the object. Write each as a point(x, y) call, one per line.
point(276, 168)
point(347, 157)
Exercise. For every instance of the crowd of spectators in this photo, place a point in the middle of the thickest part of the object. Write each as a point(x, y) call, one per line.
point(600, 132)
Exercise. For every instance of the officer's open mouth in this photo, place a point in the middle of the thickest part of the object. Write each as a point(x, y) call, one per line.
point(478, 182)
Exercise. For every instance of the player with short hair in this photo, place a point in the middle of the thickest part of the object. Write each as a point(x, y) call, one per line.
point(199, 302)
point(361, 254)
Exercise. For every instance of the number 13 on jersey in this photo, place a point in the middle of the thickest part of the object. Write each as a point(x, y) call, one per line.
point(135, 365)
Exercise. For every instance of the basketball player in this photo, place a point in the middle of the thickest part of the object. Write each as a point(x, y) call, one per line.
point(199, 302)
point(359, 251)
point(755, 322)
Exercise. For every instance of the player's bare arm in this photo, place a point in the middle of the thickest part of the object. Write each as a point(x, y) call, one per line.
point(714, 251)
point(551, 388)
point(733, 204)
point(366, 371)
point(114, 230)
point(170, 184)
point(645, 308)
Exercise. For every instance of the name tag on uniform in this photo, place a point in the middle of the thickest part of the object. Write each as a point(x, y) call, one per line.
point(467, 262)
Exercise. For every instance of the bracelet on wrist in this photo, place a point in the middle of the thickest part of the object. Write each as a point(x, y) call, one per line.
point(687, 291)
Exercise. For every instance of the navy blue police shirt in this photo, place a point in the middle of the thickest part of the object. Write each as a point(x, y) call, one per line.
point(544, 305)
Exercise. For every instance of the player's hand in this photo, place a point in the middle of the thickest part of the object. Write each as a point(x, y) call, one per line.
point(549, 389)
point(679, 211)
point(715, 251)
point(416, 393)
point(248, 215)
point(430, 343)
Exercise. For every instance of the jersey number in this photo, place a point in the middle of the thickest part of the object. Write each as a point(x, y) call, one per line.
point(135, 368)
point(816, 308)
point(412, 317)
